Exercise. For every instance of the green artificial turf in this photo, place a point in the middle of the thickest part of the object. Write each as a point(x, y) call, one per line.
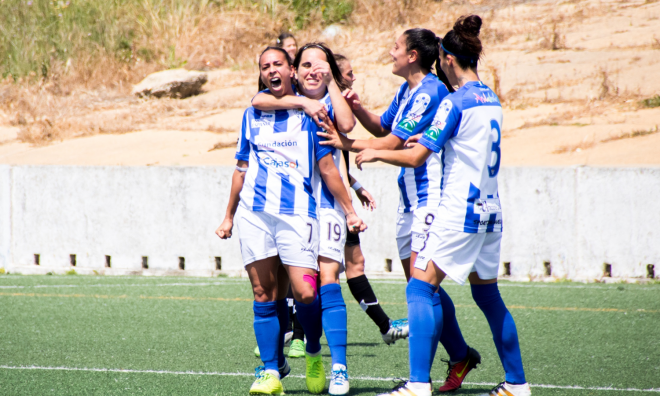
point(570, 334)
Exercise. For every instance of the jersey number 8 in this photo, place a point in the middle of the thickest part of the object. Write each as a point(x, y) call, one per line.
point(495, 152)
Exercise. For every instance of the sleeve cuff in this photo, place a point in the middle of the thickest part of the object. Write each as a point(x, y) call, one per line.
point(242, 157)
point(424, 141)
point(403, 135)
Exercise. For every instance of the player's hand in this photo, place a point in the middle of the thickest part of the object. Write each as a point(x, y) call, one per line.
point(224, 231)
point(314, 109)
point(352, 99)
point(322, 70)
point(355, 224)
point(334, 138)
point(412, 141)
point(367, 155)
point(367, 200)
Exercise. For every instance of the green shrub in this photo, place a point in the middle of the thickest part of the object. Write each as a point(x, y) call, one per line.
point(650, 102)
point(36, 35)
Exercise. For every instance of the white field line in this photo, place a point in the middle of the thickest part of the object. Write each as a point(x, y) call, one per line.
point(120, 285)
point(379, 379)
point(376, 281)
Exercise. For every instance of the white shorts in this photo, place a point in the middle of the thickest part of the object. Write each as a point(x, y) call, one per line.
point(332, 235)
point(411, 230)
point(294, 238)
point(458, 254)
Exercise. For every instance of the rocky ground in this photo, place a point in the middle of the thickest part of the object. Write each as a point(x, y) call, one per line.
point(572, 76)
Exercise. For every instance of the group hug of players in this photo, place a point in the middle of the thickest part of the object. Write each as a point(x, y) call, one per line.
point(298, 229)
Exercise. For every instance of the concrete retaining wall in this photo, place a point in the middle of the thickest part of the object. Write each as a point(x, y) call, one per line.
point(577, 219)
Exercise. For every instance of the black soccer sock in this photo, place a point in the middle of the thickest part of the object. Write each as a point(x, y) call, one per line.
point(365, 296)
point(298, 332)
point(289, 325)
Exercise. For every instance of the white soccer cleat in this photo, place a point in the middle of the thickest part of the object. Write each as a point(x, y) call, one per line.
point(338, 380)
point(287, 338)
point(507, 389)
point(398, 331)
point(411, 389)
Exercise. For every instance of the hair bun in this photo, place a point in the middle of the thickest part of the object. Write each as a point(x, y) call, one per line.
point(468, 25)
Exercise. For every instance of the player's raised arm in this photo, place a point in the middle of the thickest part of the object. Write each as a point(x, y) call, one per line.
point(267, 102)
point(339, 141)
point(404, 158)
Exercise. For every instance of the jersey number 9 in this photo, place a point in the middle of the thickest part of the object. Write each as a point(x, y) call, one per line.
point(495, 152)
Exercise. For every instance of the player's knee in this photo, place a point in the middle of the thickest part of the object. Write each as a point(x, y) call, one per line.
point(354, 267)
point(262, 294)
point(306, 291)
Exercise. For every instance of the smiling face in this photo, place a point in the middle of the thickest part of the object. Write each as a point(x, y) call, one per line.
point(290, 46)
point(400, 56)
point(347, 72)
point(276, 73)
point(311, 84)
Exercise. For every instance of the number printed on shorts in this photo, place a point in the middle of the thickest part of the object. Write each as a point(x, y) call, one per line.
point(310, 232)
point(428, 221)
point(337, 229)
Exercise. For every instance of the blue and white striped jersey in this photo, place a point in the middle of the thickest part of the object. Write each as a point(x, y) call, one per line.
point(467, 128)
point(409, 114)
point(326, 198)
point(282, 148)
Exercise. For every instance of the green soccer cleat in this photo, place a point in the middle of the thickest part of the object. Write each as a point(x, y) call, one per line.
point(297, 349)
point(266, 383)
point(314, 374)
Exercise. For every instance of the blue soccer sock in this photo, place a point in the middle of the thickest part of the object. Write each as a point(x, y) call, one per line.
point(422, 322)
point(503, 328)
point(309, 316)
point(267, 329)
point(333, 314)
point(283, 319)
point(437, 314)
point(451, 337)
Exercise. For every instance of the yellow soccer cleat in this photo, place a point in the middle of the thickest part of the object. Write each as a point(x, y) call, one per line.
point(266, 383)
point(315, 374)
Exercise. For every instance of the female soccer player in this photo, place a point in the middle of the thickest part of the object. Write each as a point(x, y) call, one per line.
point(279, 164)
point(320, 80)
point(410, 113)
point(287, 42)
point(354, 259)
point(464, 241)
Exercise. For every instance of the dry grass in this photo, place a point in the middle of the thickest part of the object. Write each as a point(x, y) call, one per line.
point(223, 145)
point(633, 134)
point(575, 148)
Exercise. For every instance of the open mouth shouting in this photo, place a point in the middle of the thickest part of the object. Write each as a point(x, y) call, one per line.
point(275, 82)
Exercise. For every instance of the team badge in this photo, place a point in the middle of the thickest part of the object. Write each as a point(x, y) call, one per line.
point(415, 114)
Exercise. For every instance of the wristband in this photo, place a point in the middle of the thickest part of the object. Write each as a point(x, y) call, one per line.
point(356, 186)
point(238, 168)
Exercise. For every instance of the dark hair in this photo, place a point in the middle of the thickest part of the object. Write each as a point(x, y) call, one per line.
point(441, 74)
point(336, 73)
point(427, 45)
point(463, 41)
point(340, 58)
point(283, 36)
point(262, 85)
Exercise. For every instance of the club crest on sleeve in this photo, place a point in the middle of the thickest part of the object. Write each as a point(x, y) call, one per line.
point(440, 119)
point(415, 114)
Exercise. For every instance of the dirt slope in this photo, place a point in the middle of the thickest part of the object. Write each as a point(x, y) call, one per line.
point(575, 104)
